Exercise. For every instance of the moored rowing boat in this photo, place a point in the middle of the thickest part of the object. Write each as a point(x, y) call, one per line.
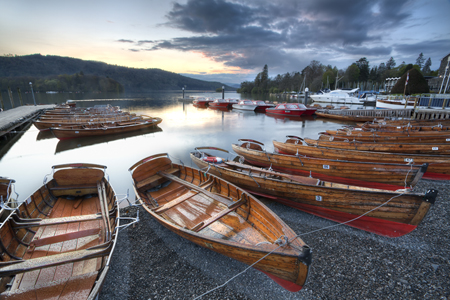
point(222, 217)
point(59, 241)
point(63, 133)
point(367, 174)
point(438, 166)
point(382, 212)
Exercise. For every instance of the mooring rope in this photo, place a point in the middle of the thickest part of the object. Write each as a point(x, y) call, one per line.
point(280, 244)
point(287, 242)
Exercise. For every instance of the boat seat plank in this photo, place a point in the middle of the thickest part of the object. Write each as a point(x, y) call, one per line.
point(169, 193)
point(72, 187)
point(196, 188)
point(176, 201)
point(155, 178)
point(53, 289)
point(15, 267)
point(225, 212)
point(64, 237)
point(22, 223)
point(191, 212)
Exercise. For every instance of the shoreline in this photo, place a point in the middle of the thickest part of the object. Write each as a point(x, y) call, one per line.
point(151, 262)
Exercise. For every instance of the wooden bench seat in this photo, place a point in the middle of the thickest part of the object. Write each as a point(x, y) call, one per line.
point(155, 178)
point(223, 213)
point(24, 223)
point(75, 287)
point(21, 266)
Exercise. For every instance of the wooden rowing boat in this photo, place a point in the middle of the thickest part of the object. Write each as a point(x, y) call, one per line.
point(342, 116)
point(382, 136)
point(94, 120)
point(58, 242)
point(438, 166)
point(385, 146)
point(367, 174)
point(63, 133)
point(382, 212)
point(222, 217)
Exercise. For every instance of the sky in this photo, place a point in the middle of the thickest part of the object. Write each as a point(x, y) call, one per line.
point(226, 40)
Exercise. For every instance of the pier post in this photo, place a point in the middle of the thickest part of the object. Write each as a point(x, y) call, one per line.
point(183, 91)
point(20, 96)
point(223, 92)
point(32, 93)
point(306, 96)
point(10, 97)
point(2, 108)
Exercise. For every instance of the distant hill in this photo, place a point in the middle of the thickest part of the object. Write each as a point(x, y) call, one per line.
point(132, 79)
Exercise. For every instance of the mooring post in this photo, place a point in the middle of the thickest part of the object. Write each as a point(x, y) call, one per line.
point(1, 102)
point(183, 91)
point(34, 100)
point(11, 97)
point(223, 92)
point(20, 96)
point(306, 96)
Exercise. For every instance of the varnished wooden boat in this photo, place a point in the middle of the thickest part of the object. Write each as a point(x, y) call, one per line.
point(385, 146)
point(340, 115)
point(59, 241)
point(382, 212)
point(382, 136)
point(222, 217)
point(367, 174)
point(107, 108)
point(63, 133)
point(438, 166)
point(94, 120)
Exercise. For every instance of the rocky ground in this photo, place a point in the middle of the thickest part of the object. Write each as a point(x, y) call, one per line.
point(150, 262)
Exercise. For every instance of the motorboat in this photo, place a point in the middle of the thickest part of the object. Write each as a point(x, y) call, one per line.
point(245, 105)
point(288, 109)
point(219, 103)
point(262, 106)
point(338, 96)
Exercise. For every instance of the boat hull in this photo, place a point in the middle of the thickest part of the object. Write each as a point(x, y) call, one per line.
point(372, 175)
point(225, 233)
point(62, 235)
point(400, 214)
point(64, 133)
point(438, 166)
point(386, 146)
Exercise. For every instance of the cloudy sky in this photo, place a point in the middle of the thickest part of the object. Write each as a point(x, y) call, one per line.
point(226, 40)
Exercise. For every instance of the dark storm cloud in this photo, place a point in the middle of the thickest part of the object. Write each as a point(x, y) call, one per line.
point(437, 48)
point(251, 33)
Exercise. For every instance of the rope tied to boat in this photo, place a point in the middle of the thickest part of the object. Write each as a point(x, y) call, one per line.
point(280, 244)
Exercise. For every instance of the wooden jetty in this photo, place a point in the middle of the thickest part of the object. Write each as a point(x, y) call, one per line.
point(15, 119)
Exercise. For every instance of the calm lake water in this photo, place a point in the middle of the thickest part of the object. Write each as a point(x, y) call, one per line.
point(183, 128)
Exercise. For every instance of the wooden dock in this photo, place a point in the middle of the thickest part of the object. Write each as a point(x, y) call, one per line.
point(15, 119)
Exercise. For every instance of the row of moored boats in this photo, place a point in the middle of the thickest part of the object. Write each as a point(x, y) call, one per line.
point(280, 109)
point(67, 122)
point(60, 239)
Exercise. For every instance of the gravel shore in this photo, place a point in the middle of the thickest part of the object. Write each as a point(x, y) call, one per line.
point(151, 262)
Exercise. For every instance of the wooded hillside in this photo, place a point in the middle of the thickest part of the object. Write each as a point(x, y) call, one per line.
point(132, 79)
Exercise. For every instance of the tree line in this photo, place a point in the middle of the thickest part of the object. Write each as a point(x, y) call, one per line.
point(317, 76)
point(77, 82)
point(45, 68)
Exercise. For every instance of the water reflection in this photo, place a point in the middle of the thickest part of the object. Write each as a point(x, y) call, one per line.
point(183, 128)
point(70, 144)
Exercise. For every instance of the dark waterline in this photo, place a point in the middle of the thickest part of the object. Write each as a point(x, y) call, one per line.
point(183, 128)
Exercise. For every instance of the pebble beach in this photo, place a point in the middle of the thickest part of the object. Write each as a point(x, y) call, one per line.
point(151, 262)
